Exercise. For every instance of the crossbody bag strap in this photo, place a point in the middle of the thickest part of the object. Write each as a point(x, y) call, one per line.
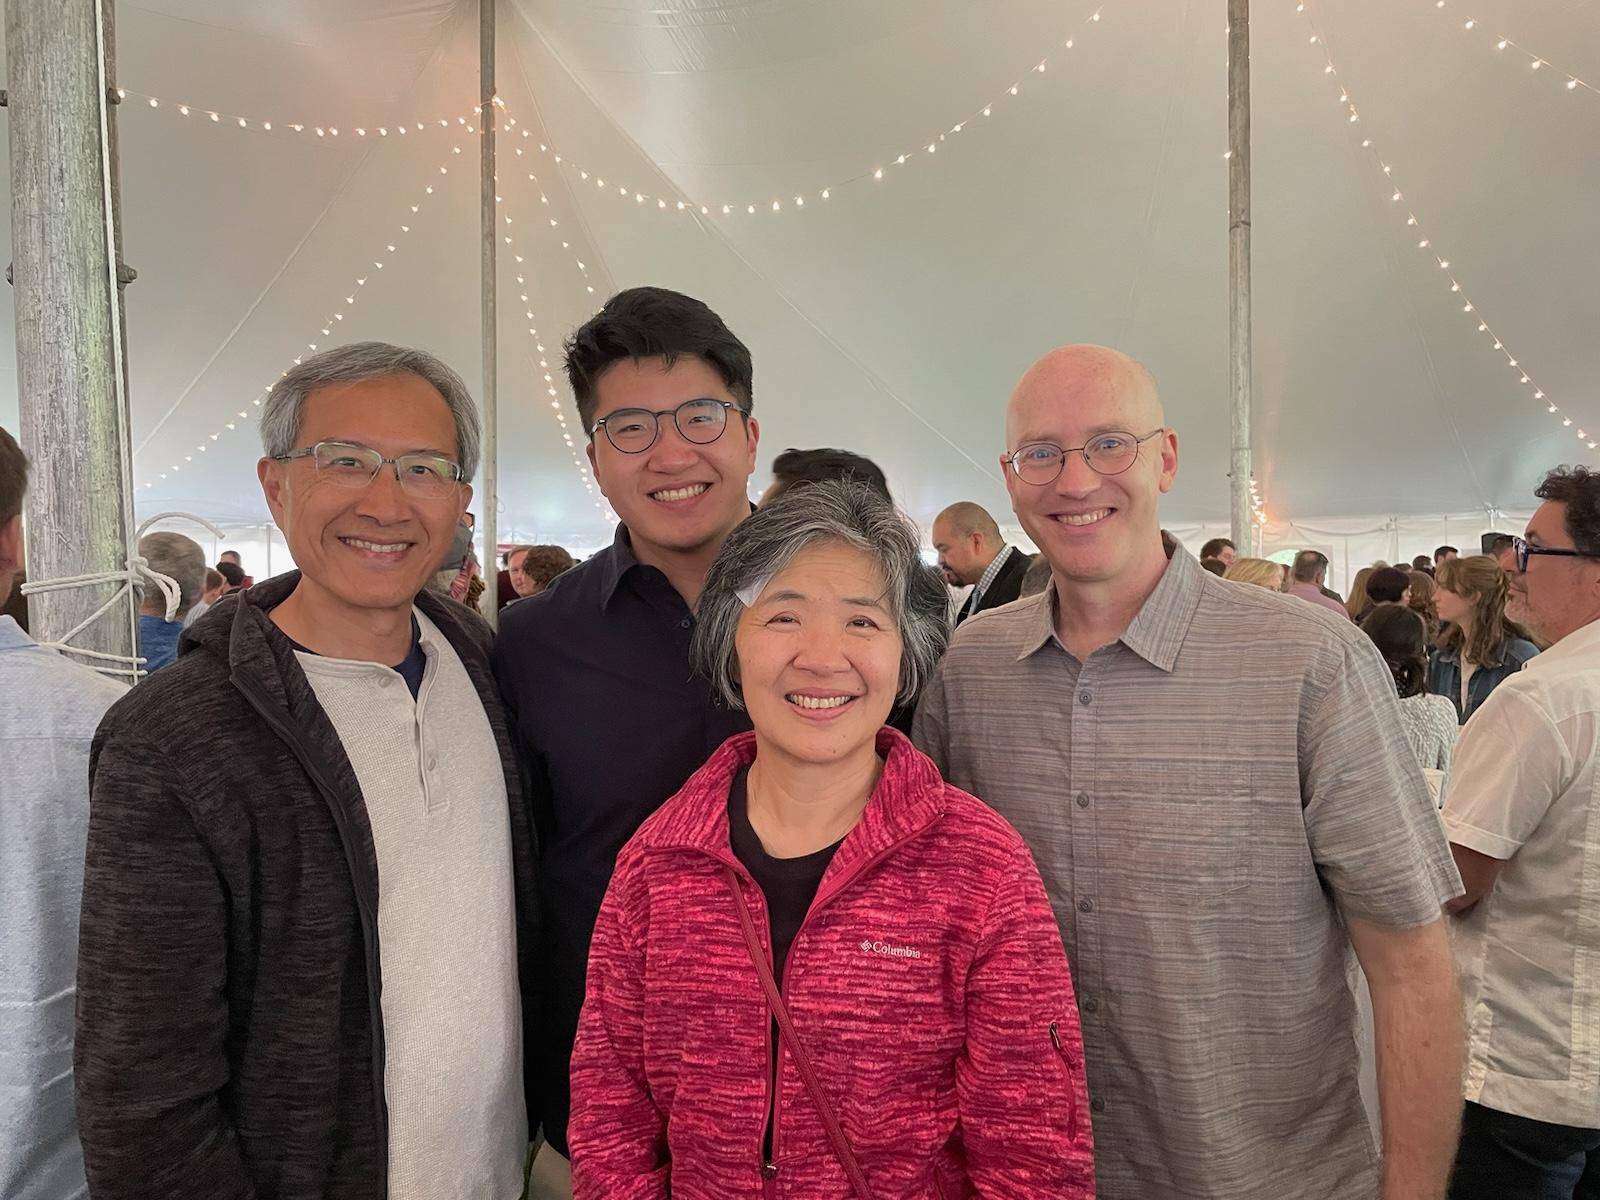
point(780, 1012)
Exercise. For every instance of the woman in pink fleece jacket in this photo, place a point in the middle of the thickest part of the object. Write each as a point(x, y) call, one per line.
point(820, 971)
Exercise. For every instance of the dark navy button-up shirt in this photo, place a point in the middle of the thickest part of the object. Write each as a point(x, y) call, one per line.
point(612, 722)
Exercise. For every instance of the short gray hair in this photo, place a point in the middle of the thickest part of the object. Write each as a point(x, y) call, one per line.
point(359, 361)
point(843, 512)
point(181, 560)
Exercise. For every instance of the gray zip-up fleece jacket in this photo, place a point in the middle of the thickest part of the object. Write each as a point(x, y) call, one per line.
point(229, 1035)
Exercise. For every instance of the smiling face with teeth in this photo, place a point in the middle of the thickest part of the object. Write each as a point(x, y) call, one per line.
point(1093, 529)
point(819, 657)
point(678, 499)
point(363, 553)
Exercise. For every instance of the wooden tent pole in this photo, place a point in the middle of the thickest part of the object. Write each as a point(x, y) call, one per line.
point(67, 276)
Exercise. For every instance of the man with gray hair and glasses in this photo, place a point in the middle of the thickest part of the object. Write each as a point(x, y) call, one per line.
point(1213, 781)
point(308, 908)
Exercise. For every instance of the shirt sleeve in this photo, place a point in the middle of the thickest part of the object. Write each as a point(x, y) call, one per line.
point(930, 729)
point(1508, 770)
point(1371, 824)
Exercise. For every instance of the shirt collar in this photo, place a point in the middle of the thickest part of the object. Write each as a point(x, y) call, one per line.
point(12, 636)
point(1583, 640)
point(1156, 634)
point(619, 559)
point(996, 565)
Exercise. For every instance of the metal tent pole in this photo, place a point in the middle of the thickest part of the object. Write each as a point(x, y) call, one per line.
point(1239, 363)
point(487, 125)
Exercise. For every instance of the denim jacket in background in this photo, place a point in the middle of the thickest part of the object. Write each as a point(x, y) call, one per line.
point(1444, 674)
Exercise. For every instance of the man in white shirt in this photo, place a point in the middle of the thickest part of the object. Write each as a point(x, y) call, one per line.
point(1523, 816)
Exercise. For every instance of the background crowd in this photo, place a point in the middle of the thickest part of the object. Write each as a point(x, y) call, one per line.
point(755, 857)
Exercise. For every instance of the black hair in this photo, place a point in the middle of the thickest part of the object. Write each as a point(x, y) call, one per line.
point(1442, 551)
point(1214, 548)
point(1579, 489)
point(1402, 638)
point(652, 322)
point(1215, 565)
point(1387, 584)
point(825, 464)
point(13, 476)
point(232, 572)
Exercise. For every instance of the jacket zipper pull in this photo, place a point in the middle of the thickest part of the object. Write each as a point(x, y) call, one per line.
point(1072, 1091)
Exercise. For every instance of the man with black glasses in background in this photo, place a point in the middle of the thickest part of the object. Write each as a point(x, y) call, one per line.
point(1523, 817)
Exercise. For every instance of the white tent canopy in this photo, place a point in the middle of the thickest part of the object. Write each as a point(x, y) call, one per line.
point(893, 316)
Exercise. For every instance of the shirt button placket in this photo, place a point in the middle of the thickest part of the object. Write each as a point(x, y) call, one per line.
point(1088, 967)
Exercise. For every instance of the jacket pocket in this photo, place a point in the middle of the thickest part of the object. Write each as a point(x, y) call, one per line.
point(1069, 1067)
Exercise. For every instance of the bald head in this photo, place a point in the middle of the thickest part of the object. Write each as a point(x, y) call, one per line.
point(964, 517)
point(1093, 416)
point(1089, 379)
point(967, 541)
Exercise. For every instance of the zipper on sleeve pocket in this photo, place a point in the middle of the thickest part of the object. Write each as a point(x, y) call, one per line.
point(1070, 1065)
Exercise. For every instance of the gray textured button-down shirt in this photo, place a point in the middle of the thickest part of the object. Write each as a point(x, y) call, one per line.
point(1206, 799)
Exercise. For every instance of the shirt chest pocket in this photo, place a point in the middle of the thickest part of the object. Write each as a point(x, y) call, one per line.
point(1189, 833)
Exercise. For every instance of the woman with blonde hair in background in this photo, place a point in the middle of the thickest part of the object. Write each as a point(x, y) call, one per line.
point(1479, 645)
point(1259, 571)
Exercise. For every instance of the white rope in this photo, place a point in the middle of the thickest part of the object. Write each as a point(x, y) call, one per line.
point(137, 571)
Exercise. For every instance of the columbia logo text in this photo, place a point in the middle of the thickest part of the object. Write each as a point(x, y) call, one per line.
point(891, 951)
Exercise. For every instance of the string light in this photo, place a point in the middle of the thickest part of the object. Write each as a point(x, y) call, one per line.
point(774, 205)
point(325, 130)
point(1481, 324)
point(325, 329)
point(1258, 508)
point(1502, 44)
point(545, 372)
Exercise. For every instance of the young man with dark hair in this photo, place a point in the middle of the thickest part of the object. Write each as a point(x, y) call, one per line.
point(1498, 547)
point(1523, 817)
point(232, 556)
point(664, 390)
point(1441, 555)
point(49, 707)
point(1221, 549)
point(821, 466)
point(233, 576)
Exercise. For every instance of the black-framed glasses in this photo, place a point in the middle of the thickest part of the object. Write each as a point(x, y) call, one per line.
point(634, 430)
point(1524, 552)
point(352, 465)
point(1109, 453)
